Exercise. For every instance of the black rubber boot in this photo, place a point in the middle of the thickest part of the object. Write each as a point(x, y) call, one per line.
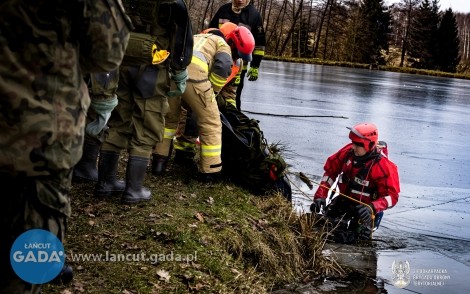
point(210, 178)
point(108, 184)
point(65, 276)
point(184, 158)
point(135, 174)
point(159, 164)
point(85, 170)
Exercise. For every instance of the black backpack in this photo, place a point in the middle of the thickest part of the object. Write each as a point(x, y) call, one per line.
point(247, 157)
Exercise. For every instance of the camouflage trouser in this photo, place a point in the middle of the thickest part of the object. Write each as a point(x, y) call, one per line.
point(138, 121)
point(30, 203)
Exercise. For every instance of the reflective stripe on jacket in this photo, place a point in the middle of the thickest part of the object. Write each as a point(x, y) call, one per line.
point(212, 60)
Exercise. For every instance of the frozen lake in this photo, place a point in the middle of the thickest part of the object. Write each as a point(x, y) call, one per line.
point(426, 123)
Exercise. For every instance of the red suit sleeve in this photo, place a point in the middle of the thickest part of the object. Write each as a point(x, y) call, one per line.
point(333, 168)
point(388, 186)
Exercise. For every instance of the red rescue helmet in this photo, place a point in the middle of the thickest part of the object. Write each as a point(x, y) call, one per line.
point(242, 39)
point(364, 134)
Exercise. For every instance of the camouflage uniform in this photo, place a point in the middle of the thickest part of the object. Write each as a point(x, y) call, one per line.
point(138, 121)
point(44, 101)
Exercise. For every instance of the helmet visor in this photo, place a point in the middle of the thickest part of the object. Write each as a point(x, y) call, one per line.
point(355, 132)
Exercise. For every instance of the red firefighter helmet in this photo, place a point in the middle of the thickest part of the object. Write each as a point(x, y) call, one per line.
point(242, 39)
point(366, 134)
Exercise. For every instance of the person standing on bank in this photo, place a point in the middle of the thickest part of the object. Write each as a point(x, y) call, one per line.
point(45, 48)
point(242, 13)
point(212, 64)
point(365, 175)
point(160, 49)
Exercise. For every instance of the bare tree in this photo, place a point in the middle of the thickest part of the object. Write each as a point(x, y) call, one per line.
point(326, 7)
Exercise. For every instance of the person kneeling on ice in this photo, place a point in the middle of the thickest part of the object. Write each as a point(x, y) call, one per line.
point(368, 184)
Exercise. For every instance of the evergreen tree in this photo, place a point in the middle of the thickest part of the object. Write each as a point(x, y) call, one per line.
point(373, 36)
point(448, 41)
point(423, 36)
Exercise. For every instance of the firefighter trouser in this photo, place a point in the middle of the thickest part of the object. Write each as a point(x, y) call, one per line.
point(30, 203)
point(186, 131)
point(169, 133)
point(137, 123)
point(201, 99)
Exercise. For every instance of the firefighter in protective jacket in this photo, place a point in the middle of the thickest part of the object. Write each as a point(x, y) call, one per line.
point(211, 66)
point(365, 174)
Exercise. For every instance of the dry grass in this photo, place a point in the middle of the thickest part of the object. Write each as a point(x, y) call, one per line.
point(243, 243)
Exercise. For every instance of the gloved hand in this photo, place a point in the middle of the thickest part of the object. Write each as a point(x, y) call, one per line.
point(103, 109)
point(180, 80)
point(364, 212)
point(317, 204)
point(252, 74)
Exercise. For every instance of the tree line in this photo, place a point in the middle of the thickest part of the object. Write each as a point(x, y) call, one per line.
point(410, 33)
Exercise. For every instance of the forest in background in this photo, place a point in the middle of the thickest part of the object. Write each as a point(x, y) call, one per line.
point(410, 33)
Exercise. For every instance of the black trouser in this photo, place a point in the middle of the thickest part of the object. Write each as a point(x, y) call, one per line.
point(341, 211)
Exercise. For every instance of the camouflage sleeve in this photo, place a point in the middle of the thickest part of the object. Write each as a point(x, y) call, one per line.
point(105, 36)
point(182, 37)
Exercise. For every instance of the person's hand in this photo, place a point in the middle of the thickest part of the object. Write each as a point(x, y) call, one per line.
point(252, 74)
point(103, 109)
point(179, 78)
point(365, 213)
point(317, 204)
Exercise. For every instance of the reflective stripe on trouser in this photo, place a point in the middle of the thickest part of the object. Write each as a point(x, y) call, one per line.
point(137, 122)
point(171, 122)
point(31, 203)
point(186, 132)
point(200, 97)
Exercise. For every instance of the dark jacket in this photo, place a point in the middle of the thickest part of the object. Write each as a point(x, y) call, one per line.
point(250, 18)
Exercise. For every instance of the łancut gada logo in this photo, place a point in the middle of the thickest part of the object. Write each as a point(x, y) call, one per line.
point(37, 256)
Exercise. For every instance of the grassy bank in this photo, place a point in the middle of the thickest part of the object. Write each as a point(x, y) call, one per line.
point(208, 238)
point(409, 70)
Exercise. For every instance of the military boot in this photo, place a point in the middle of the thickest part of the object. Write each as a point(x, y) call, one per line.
point(85, 170)
point(108, 184)
point(135, 174)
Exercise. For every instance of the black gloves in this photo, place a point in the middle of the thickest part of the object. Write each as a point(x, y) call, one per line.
point(317, 204)
point(365, 213)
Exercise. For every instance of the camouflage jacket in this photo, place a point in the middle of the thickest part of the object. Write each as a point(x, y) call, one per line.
point(45, 48)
